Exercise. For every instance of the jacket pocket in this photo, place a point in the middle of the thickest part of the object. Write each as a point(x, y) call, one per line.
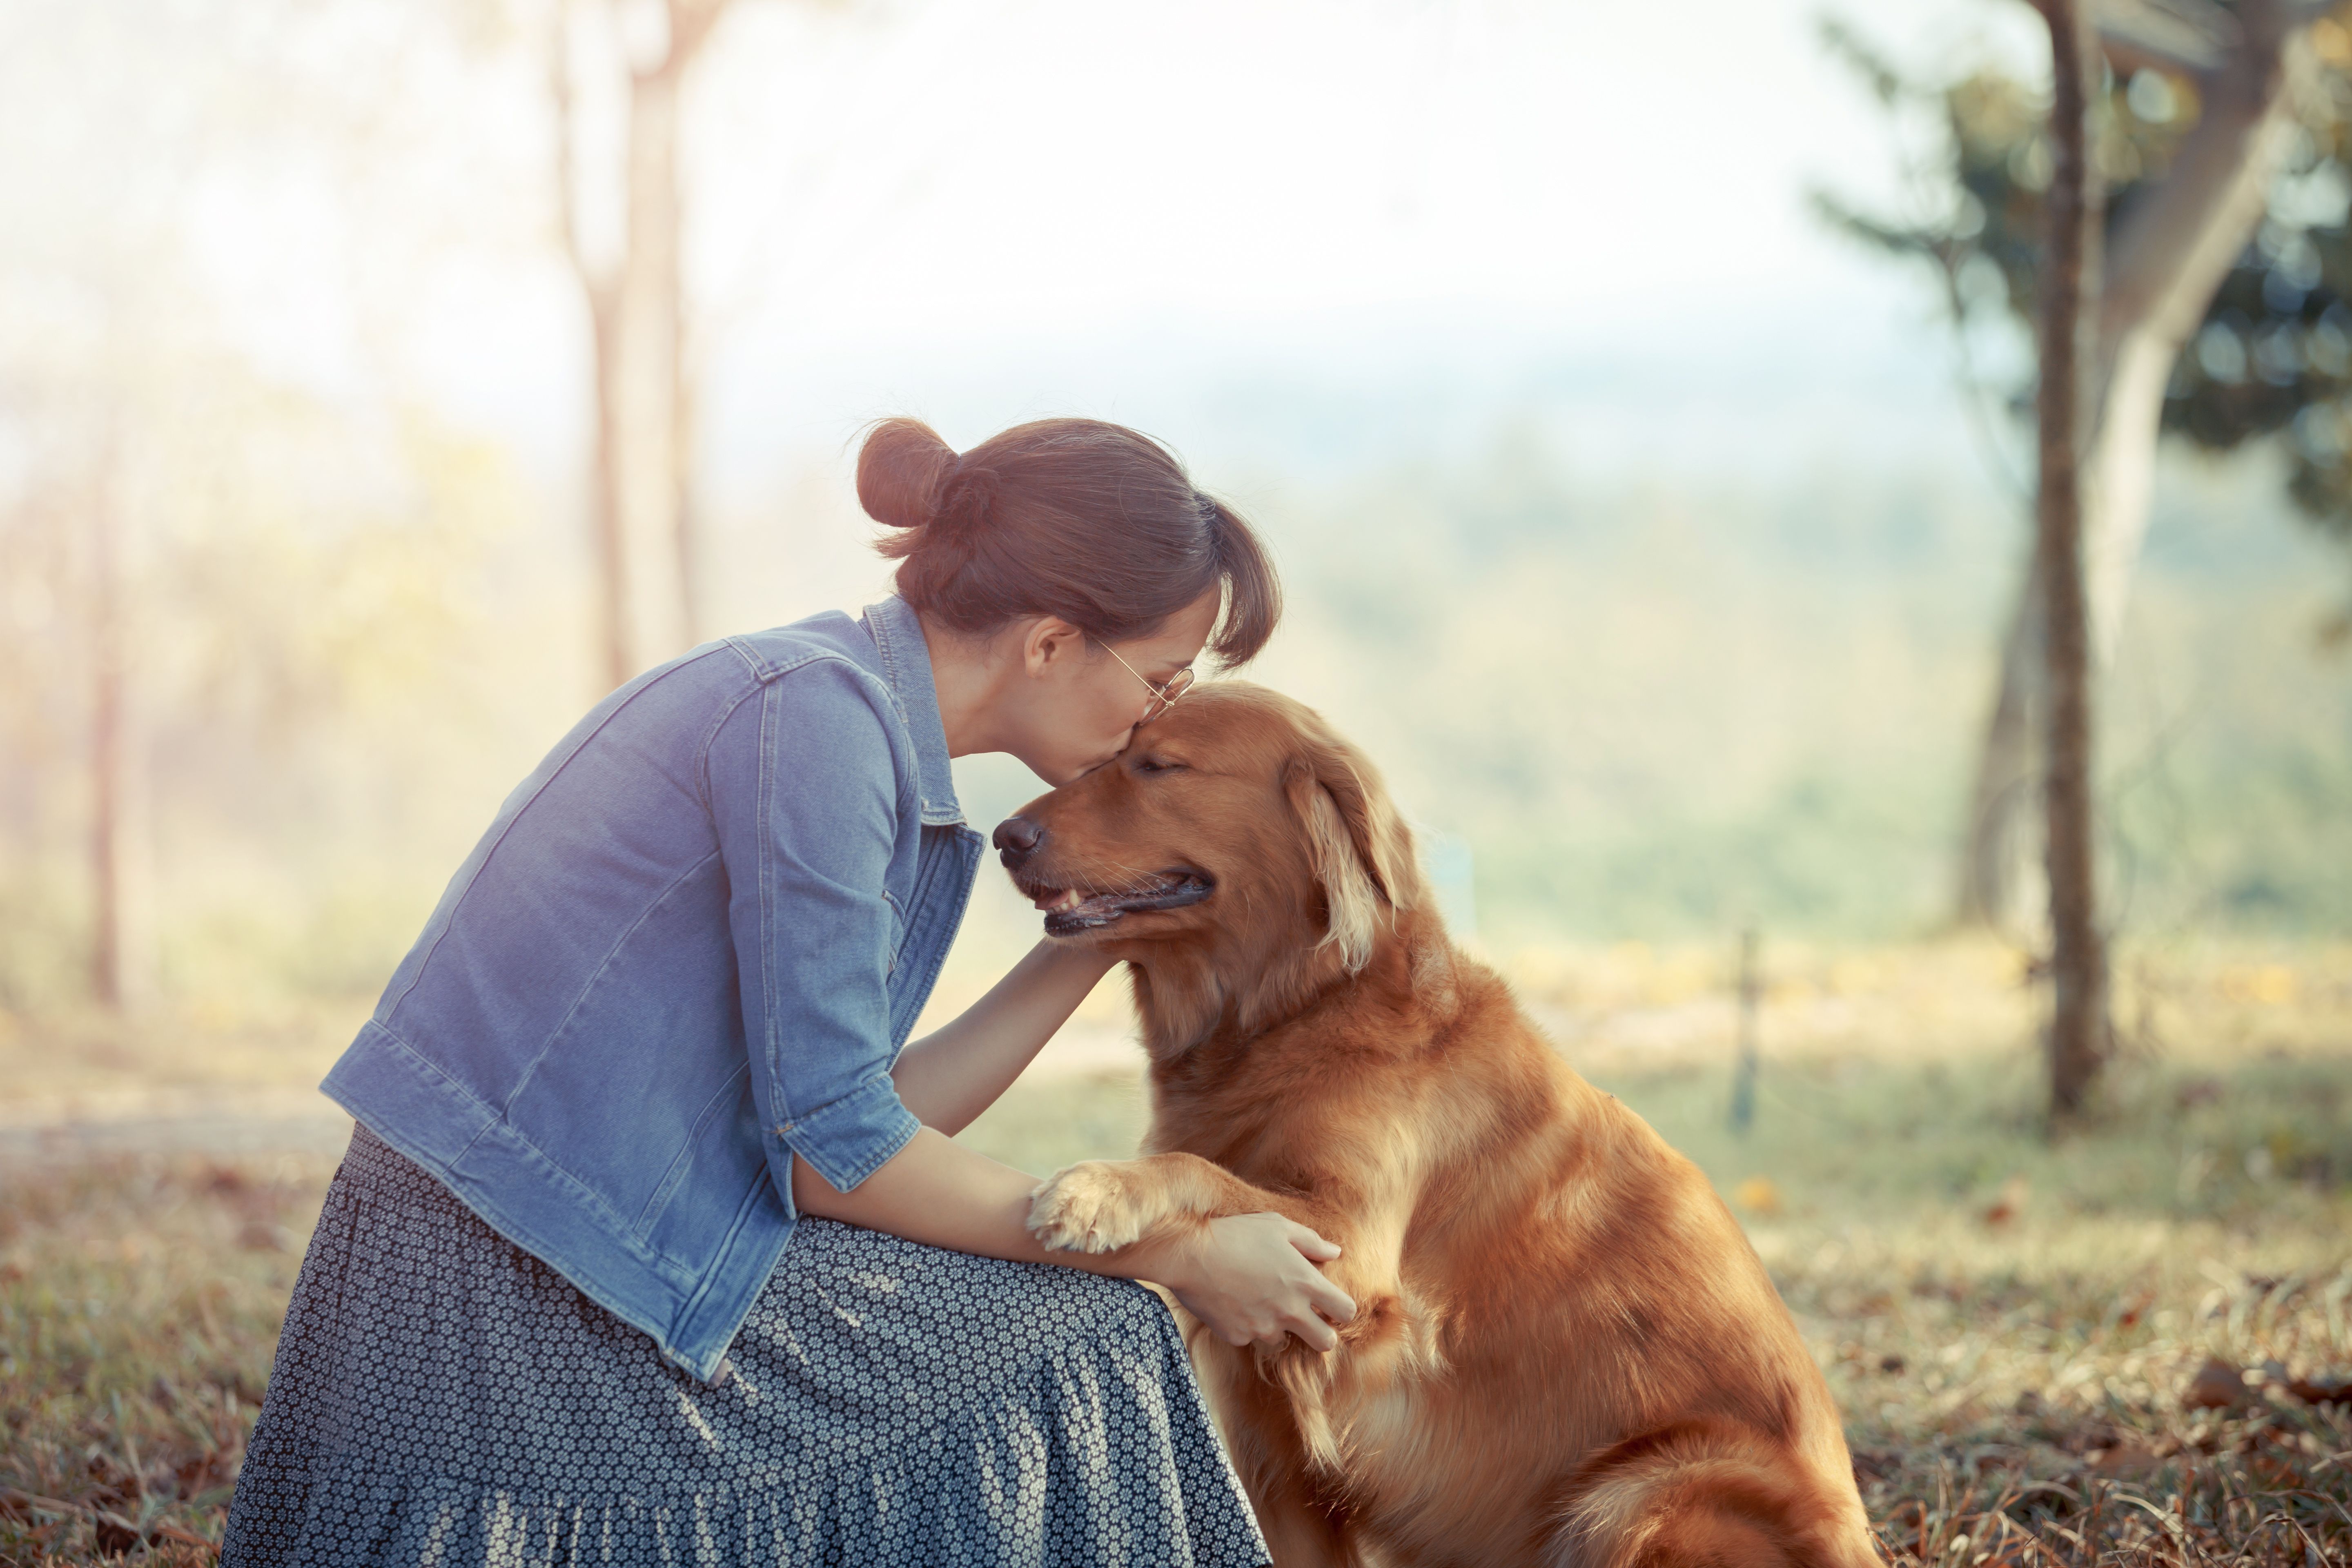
point(729, 1095)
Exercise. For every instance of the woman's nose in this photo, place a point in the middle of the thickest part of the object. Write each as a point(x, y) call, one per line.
point(1017, 839)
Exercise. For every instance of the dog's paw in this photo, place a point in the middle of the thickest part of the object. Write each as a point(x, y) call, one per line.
point(1085, 1207)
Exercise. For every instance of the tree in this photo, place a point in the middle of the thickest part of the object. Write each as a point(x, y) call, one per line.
point(2212, 127)
point(208, 559)
point(641, 491)
point(121, 935)
point(2078, 1022)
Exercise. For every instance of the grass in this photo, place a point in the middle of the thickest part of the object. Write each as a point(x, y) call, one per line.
point(2101, 1350)
point(140, 1301)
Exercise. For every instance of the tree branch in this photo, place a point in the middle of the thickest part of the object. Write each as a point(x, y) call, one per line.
point(2173, 245)
point(690, 22)
point(2179, 35)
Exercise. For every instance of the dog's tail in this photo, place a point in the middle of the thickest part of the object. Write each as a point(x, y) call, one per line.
point(1707, 1494)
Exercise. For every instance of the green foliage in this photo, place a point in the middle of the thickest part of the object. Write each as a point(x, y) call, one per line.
point(307, 599)
point(2273, 356)
point(1664, 710)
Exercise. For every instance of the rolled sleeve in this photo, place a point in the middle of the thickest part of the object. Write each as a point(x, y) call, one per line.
point(849, 1139)
point(806, 794)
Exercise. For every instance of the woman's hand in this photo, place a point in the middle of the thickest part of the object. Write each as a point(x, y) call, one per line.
point(1252, 1279)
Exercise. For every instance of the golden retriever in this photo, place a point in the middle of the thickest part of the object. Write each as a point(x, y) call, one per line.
point(1564, 1350)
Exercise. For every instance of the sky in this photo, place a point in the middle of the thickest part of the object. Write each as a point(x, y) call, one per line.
point(1288, 233)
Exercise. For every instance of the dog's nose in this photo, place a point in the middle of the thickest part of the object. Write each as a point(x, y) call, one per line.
point(1017, 839)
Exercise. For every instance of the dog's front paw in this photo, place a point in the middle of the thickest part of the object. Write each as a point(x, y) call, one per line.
point(1090, 1206)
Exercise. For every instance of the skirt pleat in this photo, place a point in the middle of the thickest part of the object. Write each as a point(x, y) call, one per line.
point(442, 1396)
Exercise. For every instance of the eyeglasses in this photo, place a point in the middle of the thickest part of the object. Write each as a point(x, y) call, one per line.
point(1163, 696)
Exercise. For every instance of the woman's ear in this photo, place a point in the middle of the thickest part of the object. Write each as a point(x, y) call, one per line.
point(1048, 640)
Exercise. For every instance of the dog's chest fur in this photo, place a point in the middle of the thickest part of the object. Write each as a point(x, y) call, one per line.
point(1296, 1110)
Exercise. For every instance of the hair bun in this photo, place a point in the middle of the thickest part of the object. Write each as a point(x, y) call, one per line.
point(901, 469)
point(964, 499)
point(1077, 518)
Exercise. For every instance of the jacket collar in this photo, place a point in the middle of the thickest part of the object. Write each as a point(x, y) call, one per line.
point(897, 631)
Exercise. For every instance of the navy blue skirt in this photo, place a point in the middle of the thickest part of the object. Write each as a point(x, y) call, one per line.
point(442, 1396)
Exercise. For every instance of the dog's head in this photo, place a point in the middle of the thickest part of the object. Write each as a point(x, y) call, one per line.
point(1236, 830)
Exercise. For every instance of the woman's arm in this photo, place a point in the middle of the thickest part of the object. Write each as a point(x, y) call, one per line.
point(1248, 1276)
point(952, 1074)
point(807, 847)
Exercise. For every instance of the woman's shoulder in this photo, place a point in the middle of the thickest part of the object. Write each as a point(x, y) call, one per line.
point(828, 634)
point(826, 671)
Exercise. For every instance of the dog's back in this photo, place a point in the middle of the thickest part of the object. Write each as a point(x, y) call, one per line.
point(1582, 1361)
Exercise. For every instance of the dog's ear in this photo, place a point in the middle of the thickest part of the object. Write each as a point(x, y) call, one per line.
point(1360, 848)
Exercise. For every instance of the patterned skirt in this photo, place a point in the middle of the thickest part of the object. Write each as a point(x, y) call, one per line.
point(442, 1396)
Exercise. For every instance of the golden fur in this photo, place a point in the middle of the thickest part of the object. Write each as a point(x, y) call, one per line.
point(1564, 1351)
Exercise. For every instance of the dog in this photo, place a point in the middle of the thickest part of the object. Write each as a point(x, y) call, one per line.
point(1565, 1351)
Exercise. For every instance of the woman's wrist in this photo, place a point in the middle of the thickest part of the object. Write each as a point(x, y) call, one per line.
point(1067, 958)
point(1171, 1258)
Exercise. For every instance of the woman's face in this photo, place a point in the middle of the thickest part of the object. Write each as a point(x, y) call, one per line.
point(1071, 707)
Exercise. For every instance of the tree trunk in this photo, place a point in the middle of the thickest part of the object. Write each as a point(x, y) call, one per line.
point(2004, 837)
point(2078, 1025)
point(615, 648)
point(684, 511)
point(641, 481)
point(649, 373)
point(616, 637)
point(691, 23)
point(2172, 250)
point(121, 957)
point(2170, 254)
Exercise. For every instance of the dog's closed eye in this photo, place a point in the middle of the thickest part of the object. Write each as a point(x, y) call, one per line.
point(1158, 766)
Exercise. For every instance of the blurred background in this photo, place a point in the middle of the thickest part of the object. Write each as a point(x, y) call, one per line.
point(1634, 516)
point(1648, 528)
point(1635, 399)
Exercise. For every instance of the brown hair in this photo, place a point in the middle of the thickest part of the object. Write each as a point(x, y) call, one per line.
point(1076, 518)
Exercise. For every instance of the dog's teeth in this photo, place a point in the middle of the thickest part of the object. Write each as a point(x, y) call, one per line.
point(1070, 900)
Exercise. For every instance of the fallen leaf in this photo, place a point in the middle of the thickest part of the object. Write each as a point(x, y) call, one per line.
point(2321, 1391)
point(2128, 1459)
point(2218, 1386)
point(2011, 1200)
point(114, 1534)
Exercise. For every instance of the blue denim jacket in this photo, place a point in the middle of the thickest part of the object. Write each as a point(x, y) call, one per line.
point(689, 947)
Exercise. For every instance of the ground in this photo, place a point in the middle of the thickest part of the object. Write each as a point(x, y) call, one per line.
point(2114, 1346)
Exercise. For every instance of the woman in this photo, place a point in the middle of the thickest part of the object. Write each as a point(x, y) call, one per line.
point(651, 1244)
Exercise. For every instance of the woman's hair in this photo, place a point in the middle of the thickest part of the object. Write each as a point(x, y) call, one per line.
point(1074, 518)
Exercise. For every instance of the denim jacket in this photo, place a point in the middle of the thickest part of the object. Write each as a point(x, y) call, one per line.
point(689, 947)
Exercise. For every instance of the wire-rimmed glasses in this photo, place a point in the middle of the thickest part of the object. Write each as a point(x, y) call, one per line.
point(1163, 695)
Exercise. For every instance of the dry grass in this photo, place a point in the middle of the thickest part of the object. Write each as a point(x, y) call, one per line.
point(2015, 1328)
point(140, 1301)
